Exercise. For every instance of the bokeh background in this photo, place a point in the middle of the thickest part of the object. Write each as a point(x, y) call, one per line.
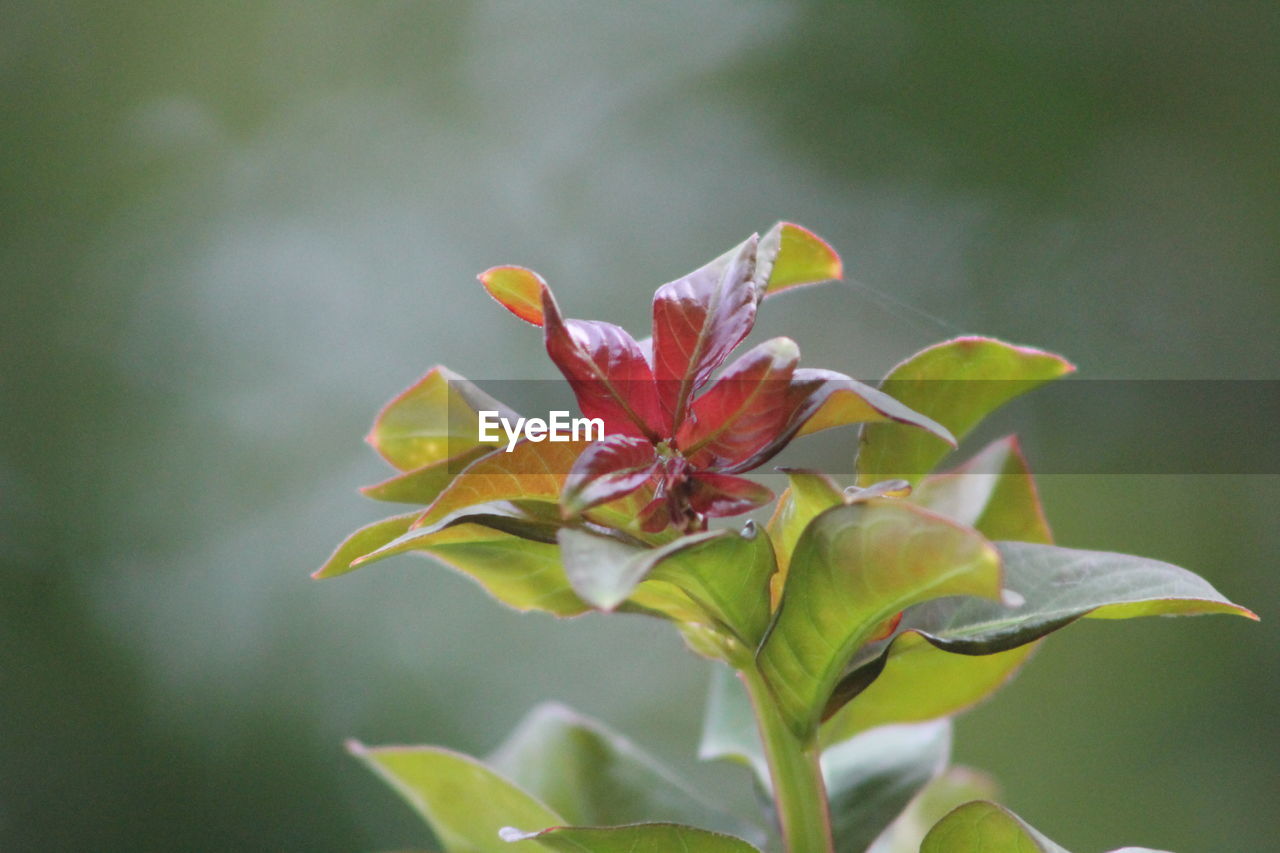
point(229, 232)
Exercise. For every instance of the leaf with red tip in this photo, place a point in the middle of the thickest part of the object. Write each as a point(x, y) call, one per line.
point(720, 495)
point(433, 420)
point(992, 492)
point(697, 321)
point(745, 410)
point(517, 289)
point(608, 470)
point(608, 373)
point(796, 257)
point(958, 383)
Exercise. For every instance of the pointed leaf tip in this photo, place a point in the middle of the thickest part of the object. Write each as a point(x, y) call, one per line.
point(802, 258)
point(517, 289)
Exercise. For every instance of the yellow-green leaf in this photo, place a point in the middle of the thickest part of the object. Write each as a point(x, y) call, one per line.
point(993, 492)
point(956, 383)
point(366, 540)
point(517, 289)
point(855, 567)
point(432, 420)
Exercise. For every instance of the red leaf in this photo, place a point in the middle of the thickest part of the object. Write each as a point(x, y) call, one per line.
point(607, 470)
point(607, 370)
point(746, 408)
point(697, 321)
point(819, 399)
point(722, 494)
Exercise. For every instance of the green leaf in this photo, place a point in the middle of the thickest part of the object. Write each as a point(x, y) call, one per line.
point(423, 485)
point(993, 492)
point(950, 654)
point(595, 777)
point(521, 573)
point(792, 256)
point(808, 495)
point(957, 383)
point(854, 568)
point(729, 730)
point(983, 827)
point(954, 787)
point(1060, 585)
point(638, 838)
point(367, 539)
point(433, 420)
point(465, 803)
point(724, 572)
point(871, 778)
point(915, 682)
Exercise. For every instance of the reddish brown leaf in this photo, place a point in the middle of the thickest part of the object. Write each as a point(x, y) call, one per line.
point(608, 373)
point(697, 321)
point(608, 470)
point(722, 494)
point(745, 410)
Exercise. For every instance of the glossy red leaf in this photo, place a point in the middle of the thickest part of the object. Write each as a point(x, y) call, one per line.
point(697, 321)
point(723, 494)
point(608, 470)
point(517, 289)
point(820, 399)
point(607, 370)
point(746, 408)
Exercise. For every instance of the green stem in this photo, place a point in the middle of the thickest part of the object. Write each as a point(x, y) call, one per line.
point(798, 792)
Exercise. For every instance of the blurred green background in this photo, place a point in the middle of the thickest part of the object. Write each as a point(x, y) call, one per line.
point(229, 232)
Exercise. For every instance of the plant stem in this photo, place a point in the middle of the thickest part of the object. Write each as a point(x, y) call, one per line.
point(798, 792)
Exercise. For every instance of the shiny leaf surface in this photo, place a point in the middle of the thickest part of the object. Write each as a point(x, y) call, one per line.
point(853, 568)
point(608, 470)
point(697, 321)
point(956, 383)
point(745, 410)
point(608, 372)
point(719, 495)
